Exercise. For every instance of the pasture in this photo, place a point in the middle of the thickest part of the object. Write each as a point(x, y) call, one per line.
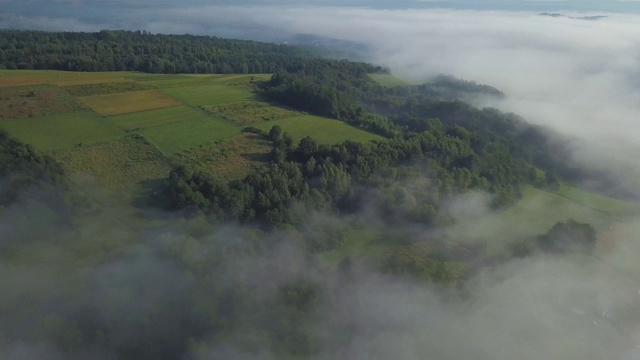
point(116, 165)
point(390, 80)
point(250, 112)
point(63, 130)
point(324, 130)
point(123, 103)
point(190, 133)
point(157, 117)
point(209, 94)
point(105, 88)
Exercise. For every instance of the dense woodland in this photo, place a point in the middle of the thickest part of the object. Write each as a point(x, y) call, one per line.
point(115, 50)
point(23, 169)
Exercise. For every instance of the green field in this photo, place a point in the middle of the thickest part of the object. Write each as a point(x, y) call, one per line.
point(23, 102)
point(250, 112)
point(186, 134)
point(209, 94)
point(157, 117)
point(390, 80)
point(124, 103)
point(595, 201)
point(230, 159)
point(105, 88)
point(116, 165)
point(325, 131)
point(63, 130)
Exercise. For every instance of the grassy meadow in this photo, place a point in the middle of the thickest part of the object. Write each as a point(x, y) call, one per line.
point(128, 102)
point(61, 131)
point(157, 117)
point(325, 131)
point(183, 135)
point(209, 94)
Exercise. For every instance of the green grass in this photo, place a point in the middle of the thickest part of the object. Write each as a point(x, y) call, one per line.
point(124, 103)
point(172, 82)
point(595, 201)
point(63, 130)
point(323, 130)
point(105, 88)
point(389, 80)
point(209, 94)
point(187, 134)
point(250, 112)
point(116, 165)
point(157, 117)
point(231, 159)
point(535, 214)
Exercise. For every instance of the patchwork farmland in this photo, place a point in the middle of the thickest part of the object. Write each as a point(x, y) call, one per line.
point(109, 125)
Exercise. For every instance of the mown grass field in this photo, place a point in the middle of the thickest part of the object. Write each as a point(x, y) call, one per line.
point(209, 94)
point(157, 117)
point(189, 133)
point(63, 130)
point(325, 131)
point(128, 102)
point(390, 80)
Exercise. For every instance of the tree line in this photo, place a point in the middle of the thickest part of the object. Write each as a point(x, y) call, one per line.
point(119, 50)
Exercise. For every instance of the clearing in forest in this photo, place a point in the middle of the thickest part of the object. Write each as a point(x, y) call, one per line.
point(191, 133)
point(249, 112)
point(63, 130)
point(323, 130)
point(124, 103)
point(230, 159)
point(202, 95)
point(33, 101)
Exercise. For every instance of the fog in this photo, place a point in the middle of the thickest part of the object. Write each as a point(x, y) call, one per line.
point(144, 287)
point(578, 77)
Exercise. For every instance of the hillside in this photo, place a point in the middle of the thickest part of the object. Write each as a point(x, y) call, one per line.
point(250, 215)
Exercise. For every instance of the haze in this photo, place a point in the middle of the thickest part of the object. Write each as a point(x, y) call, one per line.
point(579, 77)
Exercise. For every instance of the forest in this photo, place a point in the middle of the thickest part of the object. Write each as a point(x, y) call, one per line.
point(118, 50)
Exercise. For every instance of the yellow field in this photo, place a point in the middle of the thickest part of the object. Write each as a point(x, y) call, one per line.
point(124, 103)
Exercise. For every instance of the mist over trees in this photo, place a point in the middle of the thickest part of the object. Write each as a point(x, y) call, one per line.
point(241, 269)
